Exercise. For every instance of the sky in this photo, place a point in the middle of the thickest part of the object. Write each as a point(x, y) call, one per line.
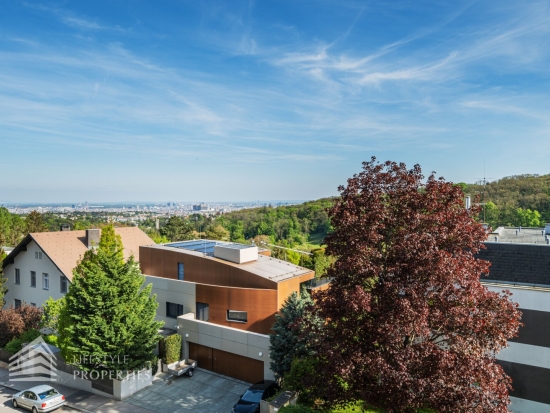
point(105, 101)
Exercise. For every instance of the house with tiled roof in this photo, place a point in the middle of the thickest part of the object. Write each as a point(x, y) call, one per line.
point(41, 265)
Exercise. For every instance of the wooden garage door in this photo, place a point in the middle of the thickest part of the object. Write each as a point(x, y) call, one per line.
point(228, 364)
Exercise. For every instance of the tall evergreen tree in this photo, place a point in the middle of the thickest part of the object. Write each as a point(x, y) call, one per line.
point(177, 229)
point(108, 322)
point(288, 342)
point(35, 222)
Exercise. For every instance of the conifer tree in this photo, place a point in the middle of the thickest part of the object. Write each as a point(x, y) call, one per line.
point(287, 342)
point(35, 222)
point(108, 322)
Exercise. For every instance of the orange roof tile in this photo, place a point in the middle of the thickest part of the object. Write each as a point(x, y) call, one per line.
point(66, 248)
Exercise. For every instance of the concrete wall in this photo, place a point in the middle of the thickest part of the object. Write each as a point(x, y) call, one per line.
point(173, 291)
point(26, 262)
point(122, 389)
point(132, 384)
point(232, 340)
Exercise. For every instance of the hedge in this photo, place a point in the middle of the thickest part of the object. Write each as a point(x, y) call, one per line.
point(172, 349)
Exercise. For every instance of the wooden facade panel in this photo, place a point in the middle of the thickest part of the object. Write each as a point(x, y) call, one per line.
point(198, 269)
point(285, 288)
point(228, 364)
point(145, 260)
point(260, 305)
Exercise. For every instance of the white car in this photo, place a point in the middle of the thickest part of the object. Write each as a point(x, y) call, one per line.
point(39, 399)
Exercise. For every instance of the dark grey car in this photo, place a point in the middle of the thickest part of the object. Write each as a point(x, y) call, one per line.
point(39, 399)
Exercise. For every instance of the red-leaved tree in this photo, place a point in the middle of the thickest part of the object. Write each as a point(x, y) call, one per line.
point(408, 323)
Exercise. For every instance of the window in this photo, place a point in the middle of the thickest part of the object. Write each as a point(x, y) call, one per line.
point(173, 310)
point(17, 276)
point(17, 303)
point(33, 279)
point(202, 312)
point(33, 304)
point(39, 255)
point(36, 255)
point(63, 283)
point(46, 281)
point(180, 271)
point(239, 316)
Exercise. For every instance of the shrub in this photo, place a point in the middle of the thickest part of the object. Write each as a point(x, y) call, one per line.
point(32, 316)
point(172, 349)
point(154, 365)
point(294, 379)
point(51, 339)
point(14, 346)
point(11, 325)
point(30, 335)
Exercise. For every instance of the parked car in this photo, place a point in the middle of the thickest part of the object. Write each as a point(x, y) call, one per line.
point(39, 399)
point(250, 400)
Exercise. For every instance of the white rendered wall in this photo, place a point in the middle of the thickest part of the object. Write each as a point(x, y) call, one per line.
point(173, 291)
point(26, 262)
point(232, 340)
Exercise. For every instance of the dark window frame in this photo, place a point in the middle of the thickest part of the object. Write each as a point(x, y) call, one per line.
point(63, 284)
point(17, 303)
point(17, 276)
point(173, 306)
point(239, 319)
point(33, 279)
point(202, 312)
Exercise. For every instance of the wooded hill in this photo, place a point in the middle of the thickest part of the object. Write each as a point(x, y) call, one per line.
point(515, 200)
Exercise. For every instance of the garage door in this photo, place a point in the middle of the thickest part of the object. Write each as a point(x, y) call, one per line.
point(228, 364)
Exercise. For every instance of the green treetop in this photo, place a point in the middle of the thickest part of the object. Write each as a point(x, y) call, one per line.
point(35, 222)
point(108, 321)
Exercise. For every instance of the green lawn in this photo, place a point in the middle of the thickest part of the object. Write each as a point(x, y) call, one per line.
point(350, 408)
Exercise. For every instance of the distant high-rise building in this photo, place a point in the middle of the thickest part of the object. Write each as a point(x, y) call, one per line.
point(200, 207)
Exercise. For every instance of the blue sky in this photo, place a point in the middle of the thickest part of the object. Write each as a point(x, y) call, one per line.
point(243, 100)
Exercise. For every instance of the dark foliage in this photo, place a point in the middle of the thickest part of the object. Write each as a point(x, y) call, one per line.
point(409, 325)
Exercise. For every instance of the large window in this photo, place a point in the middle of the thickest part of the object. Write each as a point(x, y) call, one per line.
point(33, 279)
point(64, 284)
point(45, 281)
point(239, 316)
point(180, 271)
point(202, 312)
point(17, 279)
point(173, 310)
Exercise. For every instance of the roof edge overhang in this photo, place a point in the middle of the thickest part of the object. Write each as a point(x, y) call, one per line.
point(22, 246)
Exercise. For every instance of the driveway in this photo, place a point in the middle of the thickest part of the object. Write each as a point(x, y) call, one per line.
point(205, 392)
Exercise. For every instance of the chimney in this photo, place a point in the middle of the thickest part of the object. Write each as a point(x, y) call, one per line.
point(92, 237)
point(65, 227)
point(467, 202)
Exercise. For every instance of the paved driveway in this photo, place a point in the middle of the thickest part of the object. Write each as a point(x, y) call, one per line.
point(205, 392)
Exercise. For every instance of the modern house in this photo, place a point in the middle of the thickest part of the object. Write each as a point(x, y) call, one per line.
point(41, 265)
point(222, 299)
point(520, 259)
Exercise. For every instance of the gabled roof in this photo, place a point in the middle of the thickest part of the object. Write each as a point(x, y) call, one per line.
point(66, 248)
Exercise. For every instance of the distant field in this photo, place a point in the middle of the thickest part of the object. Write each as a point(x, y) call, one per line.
point(316, 239)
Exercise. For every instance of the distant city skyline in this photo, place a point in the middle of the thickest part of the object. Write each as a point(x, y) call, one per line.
point(120, 100)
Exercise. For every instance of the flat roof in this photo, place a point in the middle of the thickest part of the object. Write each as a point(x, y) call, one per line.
point(518, 235)
point(206, 246)
point(267, 267)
